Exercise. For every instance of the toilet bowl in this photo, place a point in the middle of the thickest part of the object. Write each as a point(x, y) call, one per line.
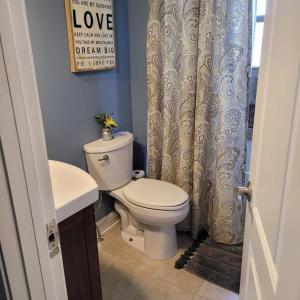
point(156, 206)
point(149, 208)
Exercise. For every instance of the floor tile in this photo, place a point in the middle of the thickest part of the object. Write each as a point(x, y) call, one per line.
point(197, 297)
point(127, 273)
point(210, 291)
point(118, 282)
point(113, 244)
point(180, 278)
point(157, 289)
point(105, 260)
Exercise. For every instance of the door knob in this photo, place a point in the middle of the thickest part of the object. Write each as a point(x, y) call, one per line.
point(245, 190)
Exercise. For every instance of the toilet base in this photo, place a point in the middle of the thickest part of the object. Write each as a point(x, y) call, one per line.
point(136, 242)
point(158, 242)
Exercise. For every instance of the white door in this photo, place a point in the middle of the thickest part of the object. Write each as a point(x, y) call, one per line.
point(271, 261)
point(27, 204)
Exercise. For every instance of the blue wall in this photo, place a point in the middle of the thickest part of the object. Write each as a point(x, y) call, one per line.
point(138, 13)
point(70, 101)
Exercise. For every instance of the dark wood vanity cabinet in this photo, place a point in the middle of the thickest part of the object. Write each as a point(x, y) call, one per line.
point(80, 255)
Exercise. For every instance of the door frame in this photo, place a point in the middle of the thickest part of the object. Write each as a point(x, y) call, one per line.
point(25, 157)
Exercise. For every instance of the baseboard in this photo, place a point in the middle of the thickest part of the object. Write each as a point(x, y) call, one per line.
point(108, 222)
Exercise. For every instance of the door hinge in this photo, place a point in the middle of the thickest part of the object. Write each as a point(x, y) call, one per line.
point(53, 237)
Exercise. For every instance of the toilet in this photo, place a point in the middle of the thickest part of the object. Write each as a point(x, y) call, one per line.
point(149, 208)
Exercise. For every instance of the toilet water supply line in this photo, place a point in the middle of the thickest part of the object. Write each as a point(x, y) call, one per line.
point(100, 237)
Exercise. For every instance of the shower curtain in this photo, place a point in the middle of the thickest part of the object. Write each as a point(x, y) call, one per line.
point(198, 62)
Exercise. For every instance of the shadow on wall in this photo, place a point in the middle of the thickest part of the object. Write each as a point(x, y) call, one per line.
point(138, 14)
point(139, 156)
point(107, 206)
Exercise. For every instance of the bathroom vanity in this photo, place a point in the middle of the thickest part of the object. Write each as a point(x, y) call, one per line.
point(80, 255)
point(74, 193)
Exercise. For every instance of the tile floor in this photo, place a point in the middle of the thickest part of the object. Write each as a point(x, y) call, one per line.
point(128, 274)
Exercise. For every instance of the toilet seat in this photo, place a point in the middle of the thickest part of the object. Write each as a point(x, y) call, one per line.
point(155, 194)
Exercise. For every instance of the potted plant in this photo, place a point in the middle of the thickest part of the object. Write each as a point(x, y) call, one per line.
point(107, 122)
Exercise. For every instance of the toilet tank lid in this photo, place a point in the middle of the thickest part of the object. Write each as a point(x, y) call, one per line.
point(120, 140)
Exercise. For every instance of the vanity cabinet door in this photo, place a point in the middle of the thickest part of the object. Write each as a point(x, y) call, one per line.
point(80, 255)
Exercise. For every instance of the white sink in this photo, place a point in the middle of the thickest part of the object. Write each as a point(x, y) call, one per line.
point(73, 189)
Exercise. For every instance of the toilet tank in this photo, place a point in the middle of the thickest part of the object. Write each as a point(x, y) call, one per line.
point(110, 162)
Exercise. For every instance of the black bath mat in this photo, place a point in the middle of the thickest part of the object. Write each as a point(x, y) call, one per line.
point(217, 263)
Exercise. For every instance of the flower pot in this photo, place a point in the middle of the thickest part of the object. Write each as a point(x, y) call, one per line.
point(106, 134)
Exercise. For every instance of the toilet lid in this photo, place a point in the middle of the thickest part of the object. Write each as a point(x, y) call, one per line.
point(156, 194)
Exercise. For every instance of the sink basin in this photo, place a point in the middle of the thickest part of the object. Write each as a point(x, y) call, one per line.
point(73, 189)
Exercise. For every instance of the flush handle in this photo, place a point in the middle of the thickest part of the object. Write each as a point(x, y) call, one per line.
point(245, 190)
point(104, 158)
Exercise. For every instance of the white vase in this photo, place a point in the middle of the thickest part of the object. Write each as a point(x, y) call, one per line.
point(106, 134)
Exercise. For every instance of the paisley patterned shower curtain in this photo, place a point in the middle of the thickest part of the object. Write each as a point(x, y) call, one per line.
point(198, 57)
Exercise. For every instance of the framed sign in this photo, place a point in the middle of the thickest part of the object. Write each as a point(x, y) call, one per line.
point(91, 38)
